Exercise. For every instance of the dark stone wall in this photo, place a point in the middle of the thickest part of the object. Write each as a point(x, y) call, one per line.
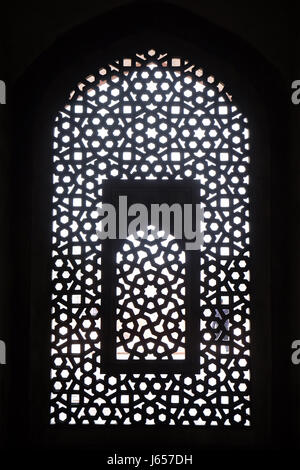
point(29, 29)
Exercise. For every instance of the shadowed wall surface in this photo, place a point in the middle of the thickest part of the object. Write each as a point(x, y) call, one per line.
point(31, 29)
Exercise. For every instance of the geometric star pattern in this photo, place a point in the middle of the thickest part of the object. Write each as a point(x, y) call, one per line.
point(151, 117)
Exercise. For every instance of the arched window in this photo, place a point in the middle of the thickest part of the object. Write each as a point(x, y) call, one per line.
point(159, 115)
point(152, 118)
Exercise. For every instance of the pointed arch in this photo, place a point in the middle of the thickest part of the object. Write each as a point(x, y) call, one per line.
point(72, 57)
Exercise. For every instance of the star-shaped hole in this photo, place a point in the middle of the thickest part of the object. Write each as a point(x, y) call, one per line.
point(150, 291)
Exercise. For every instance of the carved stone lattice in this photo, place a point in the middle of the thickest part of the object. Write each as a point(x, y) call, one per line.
point(151, 299)
point(156, 117)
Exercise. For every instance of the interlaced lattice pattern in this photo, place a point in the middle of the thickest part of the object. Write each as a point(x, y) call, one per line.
point(157, 117)
point(151, 299)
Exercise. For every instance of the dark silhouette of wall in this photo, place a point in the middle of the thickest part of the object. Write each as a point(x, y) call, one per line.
point(30, 29)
